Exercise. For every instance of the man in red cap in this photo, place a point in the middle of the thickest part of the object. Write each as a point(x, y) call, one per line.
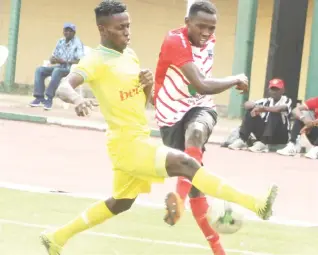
point(267, 119)
point(306, 122)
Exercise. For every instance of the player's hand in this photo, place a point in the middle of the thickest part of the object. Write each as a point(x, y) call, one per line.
point(309, 123)
point(305, 130)
point(146, 78)
point(242, 84)
point(60, 61)
point(257, 110)
point(85, 108)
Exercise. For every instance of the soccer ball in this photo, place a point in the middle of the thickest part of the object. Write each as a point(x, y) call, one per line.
point(225, 217)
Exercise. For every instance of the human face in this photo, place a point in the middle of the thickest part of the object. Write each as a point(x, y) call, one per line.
point(68, 33)
point(200, 27)
point(275, 93)
point(115, 31)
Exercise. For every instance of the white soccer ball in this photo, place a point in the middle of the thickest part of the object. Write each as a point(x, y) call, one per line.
point(225, 217)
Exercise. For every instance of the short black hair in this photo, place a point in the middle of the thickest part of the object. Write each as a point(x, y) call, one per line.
point(203, 6)
point(109, 7)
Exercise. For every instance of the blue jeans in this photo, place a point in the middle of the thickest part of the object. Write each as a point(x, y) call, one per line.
point(56, 73)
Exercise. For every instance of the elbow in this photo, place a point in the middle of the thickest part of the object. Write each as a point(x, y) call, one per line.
point(201, 89)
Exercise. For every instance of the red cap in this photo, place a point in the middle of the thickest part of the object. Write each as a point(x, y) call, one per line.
point(276, 83)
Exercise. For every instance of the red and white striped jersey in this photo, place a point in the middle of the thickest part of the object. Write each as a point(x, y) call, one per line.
point(174, 95)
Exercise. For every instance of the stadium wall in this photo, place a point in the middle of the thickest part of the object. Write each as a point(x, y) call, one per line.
point(42, 20)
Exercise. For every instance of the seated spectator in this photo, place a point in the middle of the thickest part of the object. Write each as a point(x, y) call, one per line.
point(267, 119)
point(68, 51)
point(306, 122)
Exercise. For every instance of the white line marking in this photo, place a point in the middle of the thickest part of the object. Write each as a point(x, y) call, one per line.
point(43, 190)
point(130, 238)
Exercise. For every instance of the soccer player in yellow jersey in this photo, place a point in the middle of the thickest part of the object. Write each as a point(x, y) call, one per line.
point(122, 90)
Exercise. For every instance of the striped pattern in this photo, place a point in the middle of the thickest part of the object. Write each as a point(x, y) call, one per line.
point(177, 96)
point(269, 102)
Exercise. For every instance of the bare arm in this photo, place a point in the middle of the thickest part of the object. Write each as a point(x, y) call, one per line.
point(73, 62)
point(66, 90)
point(147, 81)
point(278, 108)
point(148, 93)
point(207, 85)
point(249, 105)
point(297, 113)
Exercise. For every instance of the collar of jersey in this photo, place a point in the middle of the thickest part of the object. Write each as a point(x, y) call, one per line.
point(108, 50)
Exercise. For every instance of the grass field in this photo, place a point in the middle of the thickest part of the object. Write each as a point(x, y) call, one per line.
point(23, 215)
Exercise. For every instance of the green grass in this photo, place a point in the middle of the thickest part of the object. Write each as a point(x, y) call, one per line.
point(140, 222)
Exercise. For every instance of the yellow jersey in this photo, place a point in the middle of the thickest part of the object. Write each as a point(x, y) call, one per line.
point(114, 80)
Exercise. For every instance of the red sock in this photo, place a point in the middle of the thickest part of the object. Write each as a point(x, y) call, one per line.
point(199, 207)
point(183, 184)
point(195, 152)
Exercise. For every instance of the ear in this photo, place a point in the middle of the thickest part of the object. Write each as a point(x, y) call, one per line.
point(100, 28)
point(186, 21)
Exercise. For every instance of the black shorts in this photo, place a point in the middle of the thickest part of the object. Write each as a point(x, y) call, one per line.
point(174, 136)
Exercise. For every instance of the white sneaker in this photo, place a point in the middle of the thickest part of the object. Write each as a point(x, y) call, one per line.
point(259, 147)
point(312, 153)
point(289, 150)
point(238, 144)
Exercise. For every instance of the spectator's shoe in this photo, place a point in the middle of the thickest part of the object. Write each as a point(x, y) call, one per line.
point(265, 210)
point(238, 144)
point(259, 147)
point(37, 102)
point(48, 104)
point(289, 150)
point(312, 153)
point(48, 242)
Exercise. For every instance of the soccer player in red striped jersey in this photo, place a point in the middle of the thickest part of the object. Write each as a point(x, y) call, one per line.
point(185, 111)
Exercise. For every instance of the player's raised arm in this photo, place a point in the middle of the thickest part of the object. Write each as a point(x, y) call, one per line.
point(208, 86)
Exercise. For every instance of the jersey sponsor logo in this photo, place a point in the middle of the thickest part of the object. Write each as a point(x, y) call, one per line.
point(124, 95)
point(210, 54)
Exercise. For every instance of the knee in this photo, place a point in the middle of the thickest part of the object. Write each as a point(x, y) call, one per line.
point(117, 206)
point(57, 72)
point(40, 70)
point(180, 164)
point(196, 135)
point(194, 192)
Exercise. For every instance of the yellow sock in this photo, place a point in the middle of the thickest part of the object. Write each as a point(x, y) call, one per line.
point(214, 186)
point(93, 216)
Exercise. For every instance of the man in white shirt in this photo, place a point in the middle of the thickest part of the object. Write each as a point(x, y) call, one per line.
point(267, 119)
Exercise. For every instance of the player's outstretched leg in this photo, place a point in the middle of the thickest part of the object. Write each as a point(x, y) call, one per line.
point(180, 164)
point(94, 215)
point(198, 131)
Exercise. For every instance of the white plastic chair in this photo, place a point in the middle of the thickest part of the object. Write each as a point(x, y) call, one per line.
point(4, 53)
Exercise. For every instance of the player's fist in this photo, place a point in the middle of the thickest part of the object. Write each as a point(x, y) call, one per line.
point(146, 78)
point(85, 107)
point(242, 84)
point(257, 110)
